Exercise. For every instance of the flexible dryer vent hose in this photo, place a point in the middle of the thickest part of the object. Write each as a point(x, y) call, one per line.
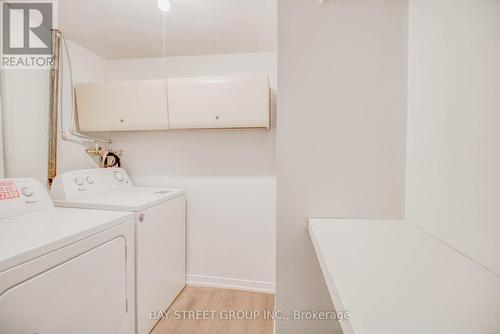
point(54, 106)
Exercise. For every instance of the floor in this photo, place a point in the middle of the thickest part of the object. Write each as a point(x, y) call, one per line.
point(218, 311)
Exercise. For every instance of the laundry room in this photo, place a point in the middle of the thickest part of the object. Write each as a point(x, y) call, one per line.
point(249, 167)
point(227, 171)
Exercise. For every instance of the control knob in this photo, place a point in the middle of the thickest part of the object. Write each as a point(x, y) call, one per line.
point(26, 192)
point(118, 176)
point(79, 181)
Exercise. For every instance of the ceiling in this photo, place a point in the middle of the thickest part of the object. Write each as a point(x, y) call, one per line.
point(133, 28)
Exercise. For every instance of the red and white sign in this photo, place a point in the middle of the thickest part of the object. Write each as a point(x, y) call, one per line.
point(8, 190)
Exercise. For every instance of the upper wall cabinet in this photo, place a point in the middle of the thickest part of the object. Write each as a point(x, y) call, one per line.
point(219, 102)
point(193, 103)
point(122, 106)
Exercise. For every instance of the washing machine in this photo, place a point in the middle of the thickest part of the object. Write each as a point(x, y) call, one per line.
point(63, 270)
point(160, 253)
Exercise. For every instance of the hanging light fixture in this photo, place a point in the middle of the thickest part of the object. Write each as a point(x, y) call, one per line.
point(164, 5)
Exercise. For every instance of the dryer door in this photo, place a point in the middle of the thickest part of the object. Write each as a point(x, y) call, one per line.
point(86, 294)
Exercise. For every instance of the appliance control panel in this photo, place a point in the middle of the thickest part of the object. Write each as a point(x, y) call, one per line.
point(81, 183)
point(22, 196)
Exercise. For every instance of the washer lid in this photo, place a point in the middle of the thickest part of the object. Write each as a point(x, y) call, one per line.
point(129, 199)
point(25, 237)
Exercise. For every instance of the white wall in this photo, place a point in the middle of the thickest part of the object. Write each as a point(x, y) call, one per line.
point(25, 105)
point(25, 115)
point(2, 101)
point(229, 176)
point(453, 126)
point(87, 67)
point(2, 166)
point(156, 68)
point(341, 132)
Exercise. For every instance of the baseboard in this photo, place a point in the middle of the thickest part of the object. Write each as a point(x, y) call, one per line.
point(230, 283)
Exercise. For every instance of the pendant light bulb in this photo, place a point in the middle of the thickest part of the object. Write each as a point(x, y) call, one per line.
point(164, 5)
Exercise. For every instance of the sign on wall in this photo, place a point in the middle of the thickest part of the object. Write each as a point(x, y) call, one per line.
point(27, 34)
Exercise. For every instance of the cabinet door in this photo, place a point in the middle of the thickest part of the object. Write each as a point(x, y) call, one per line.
point(219, 102)
point(122, 105)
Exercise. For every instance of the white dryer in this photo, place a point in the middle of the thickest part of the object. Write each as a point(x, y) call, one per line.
point(63, 270)
point(160, 231)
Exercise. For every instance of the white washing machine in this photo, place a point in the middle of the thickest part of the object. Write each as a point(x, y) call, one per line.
point(63, 270)
point(160, 253)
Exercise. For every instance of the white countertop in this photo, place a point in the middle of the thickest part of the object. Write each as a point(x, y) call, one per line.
point(394, 278)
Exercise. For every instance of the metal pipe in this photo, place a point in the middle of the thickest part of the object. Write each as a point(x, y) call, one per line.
point(54, 106)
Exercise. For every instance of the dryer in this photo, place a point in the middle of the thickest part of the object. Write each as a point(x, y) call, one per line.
point(160, 251)
point(63, 270)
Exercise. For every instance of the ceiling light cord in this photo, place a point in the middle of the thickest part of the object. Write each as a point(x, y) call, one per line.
point(164, 58)
point(164, 6)
point(164, 36)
